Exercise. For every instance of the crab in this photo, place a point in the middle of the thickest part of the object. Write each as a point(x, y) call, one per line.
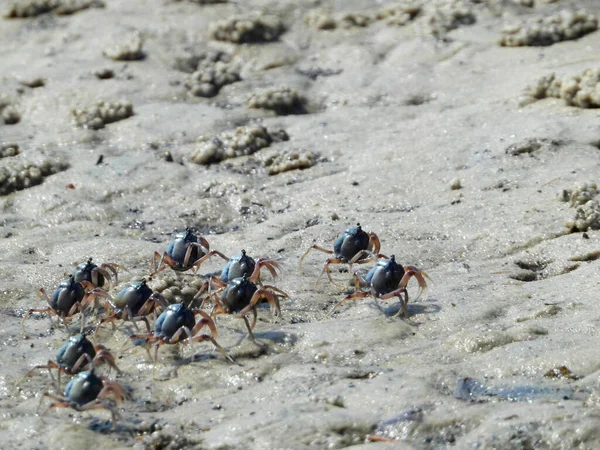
point(240, 296)
point(243, 265)
point(134, 302)
point(97, 275)
point(87, 391)
point(69, 298)
point(353, 246)
point(178, 323)
point(75, 355)
point(386, 280)
point(186, 251)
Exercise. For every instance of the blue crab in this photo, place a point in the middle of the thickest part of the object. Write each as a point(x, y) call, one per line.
point(134, 302)
point(178, 323)
point(87, 391)
point(353, 246)
point(386, 280)
point(77, 354)
point(185, 252)
point(69, 298)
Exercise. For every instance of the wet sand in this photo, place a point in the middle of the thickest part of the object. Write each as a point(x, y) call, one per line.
point(423, 130)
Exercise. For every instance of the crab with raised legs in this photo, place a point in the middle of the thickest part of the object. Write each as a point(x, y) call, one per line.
point(353, 246)
point(386, 280)
point(97, 275)
point(69, 298)
point(178, 323)
point(75, 355)
point(241, 296)
point(87, 391)
point(186, 251)
point(133, 303)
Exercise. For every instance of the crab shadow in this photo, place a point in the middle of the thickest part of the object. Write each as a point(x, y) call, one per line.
point(413, 310)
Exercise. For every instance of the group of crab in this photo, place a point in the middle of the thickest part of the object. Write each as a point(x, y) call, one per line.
point(238, 291)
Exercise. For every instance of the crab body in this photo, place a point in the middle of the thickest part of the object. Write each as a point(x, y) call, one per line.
point(67, 294)
point(76, 354)
point(97, 275)
point(238, 266)
point(172, 319)
point(69, 298)
point(179, 247)
point(84, 388)
point(87, 391)
point(350, 243)
point(240, 297)
point(386, 280)
point(186, 251)
point(353, 246)
point(385, 276)
point(75, 347)
point(133, 296)
point(243, 265)
point(177, 323)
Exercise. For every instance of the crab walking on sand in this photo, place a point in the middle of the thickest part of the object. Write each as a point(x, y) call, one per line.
point(386, 280)
point(178, 323)
point(186, 251)
point(87, 391)
point(353, 246)
point(75, 355)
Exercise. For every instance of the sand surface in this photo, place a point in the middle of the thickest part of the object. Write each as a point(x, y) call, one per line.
point(393, 116)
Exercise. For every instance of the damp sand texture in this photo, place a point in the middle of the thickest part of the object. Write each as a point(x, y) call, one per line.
point(406, 117)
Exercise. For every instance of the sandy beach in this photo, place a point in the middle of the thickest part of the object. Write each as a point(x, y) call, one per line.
point(464, 134)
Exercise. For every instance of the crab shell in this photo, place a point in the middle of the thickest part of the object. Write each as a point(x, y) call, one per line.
point(385, 276)
point(84, 388)
point(172, 319)
point(66, 295)
point(238, 266)
point(237, 294)
point(179, 246)
point(83, 272)
point(350, 242)
point(72, 350)
point(134, 295)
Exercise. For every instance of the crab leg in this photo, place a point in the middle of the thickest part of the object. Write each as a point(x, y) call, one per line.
point(315, 247)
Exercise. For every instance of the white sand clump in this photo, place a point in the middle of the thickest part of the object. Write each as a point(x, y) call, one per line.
point(531, 145)
point(8, 112)
point(8, 149)
point(282, 99)
point(547, 30)
point(431, 17)
point(277, 162)
point(582, 90)
point(320, 19)
point(441, 16)
point(18, 175)
point(67, 7)
point(129, 48)
point(587, 217)
point(533, 3)
point(10, 115)
point(31, 8)
point(102, 113)
point(399, 14)
point(247, 29)
point(580, 194)
point(587, 213)
point(212, 72)
point(230, 144)
point(355, 19)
